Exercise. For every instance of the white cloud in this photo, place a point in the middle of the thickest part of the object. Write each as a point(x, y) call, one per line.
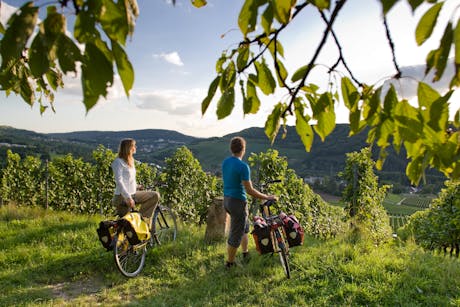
point(173, 102)
point(407, 86)
point(172, 57)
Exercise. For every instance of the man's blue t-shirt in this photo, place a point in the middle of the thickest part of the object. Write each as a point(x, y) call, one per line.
point(234, 171)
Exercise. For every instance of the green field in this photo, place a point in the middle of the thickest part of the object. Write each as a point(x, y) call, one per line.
point(55, 259)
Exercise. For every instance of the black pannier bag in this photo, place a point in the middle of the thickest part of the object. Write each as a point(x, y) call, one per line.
point(261, 235)
point(293, 229)
point(105, 232)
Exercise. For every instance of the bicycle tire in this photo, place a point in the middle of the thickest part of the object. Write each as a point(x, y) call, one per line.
point(129, 259)
point(282, 252)
point(164, 228)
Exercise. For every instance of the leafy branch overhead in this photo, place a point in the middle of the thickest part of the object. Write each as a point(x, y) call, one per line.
point(257, 66)
point(33, 64)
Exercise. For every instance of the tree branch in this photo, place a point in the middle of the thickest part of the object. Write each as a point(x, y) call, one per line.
point(392, 46)
point(338, 7)
point(341, 57)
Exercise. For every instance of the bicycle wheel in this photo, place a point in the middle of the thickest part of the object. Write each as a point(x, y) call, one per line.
point(129, 259)
point(282, 252)
point(164, 228)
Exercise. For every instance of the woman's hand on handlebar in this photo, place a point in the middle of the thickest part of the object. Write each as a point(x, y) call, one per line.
point(272, 197)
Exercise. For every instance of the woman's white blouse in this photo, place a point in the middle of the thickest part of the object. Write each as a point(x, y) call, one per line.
point(125, 178)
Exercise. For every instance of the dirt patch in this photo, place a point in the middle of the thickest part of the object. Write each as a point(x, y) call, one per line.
point(73, 289)
point(328, 197)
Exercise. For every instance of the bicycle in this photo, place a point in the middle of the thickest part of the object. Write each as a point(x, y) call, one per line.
point(277, 233)
point(130, 259)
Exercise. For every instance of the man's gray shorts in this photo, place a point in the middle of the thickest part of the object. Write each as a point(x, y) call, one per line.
point(239, 224)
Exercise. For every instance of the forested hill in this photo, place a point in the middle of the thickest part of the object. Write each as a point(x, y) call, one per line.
point(325, 158)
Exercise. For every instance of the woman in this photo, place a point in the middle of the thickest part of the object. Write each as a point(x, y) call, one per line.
point(237, 182)
point(126, 193)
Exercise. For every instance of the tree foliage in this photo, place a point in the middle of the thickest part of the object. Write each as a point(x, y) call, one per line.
point(319, 218)
point(188, 189)
point(439, 226)
point(363, 197)
point(257, 66)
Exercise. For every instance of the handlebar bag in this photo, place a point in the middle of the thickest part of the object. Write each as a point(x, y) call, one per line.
point(261, 235)
point(293, 229)
point(105, 232)
point(135, 228)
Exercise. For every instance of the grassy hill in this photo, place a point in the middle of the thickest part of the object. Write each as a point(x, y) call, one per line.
point(55, 259)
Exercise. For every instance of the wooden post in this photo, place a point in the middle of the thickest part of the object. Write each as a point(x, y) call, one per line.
point(216, 221)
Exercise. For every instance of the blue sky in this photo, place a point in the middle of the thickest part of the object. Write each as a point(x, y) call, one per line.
point(174, 50)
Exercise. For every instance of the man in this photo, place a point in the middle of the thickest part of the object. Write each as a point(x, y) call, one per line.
point(237, 182)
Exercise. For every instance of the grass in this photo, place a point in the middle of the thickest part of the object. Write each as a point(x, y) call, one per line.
point(55, 259)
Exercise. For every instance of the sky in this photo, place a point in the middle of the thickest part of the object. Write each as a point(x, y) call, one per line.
point(174, 50)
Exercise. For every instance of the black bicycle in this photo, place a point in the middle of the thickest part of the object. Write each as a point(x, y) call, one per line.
point(277, 232)
point(130, 259)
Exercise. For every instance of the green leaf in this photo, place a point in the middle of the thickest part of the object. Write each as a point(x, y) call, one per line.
point(387, 5)
point(282, 72)
point(54, 79)
point(243, 57)
point(265, 79)
point(407, 121)
point(302, 126)
point(26, 90)
point(415, 4)
point(426, 24)
point(228, 77)
point(97, 75)
point(323, 111)
point(247, 19)
point(442, 53)
point(68, 54)
point(350, 94)
point(21, 27)
point(371, 107)
point(457, 119)
point(414, 170)
point(272, 125)
point(85, 27)
point(199, 3)
point(426, 95)
point(391, 100)
point(54, 24)
point(321, 4)
point(439, 113)
point(2, 29)
point(267, 19)
point(125, 69)
point(220, 63)
point(226, 103)
point(38, 56)
point(299, 73)
point(282, 10)
point(251, 104)
point(113, 21)
point(211, 92)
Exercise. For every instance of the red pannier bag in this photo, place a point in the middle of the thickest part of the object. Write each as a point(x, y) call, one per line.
point(261, 235)
point(293, 229)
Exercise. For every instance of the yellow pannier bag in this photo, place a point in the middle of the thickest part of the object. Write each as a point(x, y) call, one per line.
point(135, 228)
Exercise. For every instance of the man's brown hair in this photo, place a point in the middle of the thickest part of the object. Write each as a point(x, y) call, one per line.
point(237, 145)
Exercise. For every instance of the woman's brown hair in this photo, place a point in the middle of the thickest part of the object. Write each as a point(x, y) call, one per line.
point(237, 145)
point(124, 151)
